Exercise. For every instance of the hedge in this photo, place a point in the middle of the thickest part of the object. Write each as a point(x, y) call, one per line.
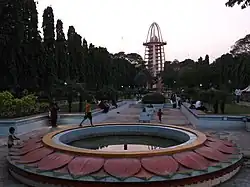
point(153, 98)
point(14, 107)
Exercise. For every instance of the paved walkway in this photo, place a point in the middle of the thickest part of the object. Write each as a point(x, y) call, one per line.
point(171, 116)
point(243, 103)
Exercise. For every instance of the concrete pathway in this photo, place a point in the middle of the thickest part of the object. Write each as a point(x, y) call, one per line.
point(243, 103)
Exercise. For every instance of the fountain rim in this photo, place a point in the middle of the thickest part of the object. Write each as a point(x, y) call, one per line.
point(48, 141)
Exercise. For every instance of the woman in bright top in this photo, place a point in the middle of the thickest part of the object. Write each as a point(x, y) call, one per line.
point(88, 114)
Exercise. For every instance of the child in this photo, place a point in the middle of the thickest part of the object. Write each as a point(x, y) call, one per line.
point(159, 114)
point(11, 137)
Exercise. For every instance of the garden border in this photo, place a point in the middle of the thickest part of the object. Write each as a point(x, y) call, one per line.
point(38, 121)
point(204, 121)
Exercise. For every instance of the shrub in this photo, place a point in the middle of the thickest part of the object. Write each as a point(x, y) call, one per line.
point(211, 95)
point(153, 98)
point(15, 107)
point(107, 93)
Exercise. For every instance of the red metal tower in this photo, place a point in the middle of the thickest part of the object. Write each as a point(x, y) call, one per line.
point(154, 50)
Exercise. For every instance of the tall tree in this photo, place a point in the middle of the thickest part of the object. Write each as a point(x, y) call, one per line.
point(11, 29)
point(73, 44)
point(49, 46)
point(61, 55)
point(206, 61)
point(31, 48)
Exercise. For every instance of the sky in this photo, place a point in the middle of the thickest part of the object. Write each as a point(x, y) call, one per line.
point(191, 28)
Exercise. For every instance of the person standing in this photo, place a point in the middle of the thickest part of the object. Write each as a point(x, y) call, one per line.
point(159, 114)
point(88, 114)
point(54, 113)
point(238, 93)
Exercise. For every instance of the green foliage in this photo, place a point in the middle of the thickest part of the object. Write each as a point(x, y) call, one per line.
point(243, 3)
point(15, 107)
point(107, 93)
point(210, 96)
point(242, 46)
point(36, 63)
point(228, 72)
point(153, 98)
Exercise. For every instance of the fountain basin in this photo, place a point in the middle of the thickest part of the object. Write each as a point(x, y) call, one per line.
point(191, 159)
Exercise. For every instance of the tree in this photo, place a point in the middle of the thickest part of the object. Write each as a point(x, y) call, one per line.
point(11, 29)
point(241, 46)
point(73, 45)
point(206, 61)
point(30, 48)
point(49, 46)
point(41, 63)
point(243, 3)
point(61, 53)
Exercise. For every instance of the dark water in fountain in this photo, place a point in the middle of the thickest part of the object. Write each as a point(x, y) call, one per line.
point(124, 143)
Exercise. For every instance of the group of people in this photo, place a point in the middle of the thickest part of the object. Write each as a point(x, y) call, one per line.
point(103, 104)
point(175, 100)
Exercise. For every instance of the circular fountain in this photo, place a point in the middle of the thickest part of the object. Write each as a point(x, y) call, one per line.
point(124, 154)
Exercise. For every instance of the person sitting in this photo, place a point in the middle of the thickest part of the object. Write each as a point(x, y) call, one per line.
point(101, 104)
point(199, 106)
point(12, 137)
point(106, 107)
point(114, 103)
point(192, 104)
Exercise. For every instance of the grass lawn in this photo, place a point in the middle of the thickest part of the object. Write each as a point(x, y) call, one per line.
point(75, 107)
point(235, 109)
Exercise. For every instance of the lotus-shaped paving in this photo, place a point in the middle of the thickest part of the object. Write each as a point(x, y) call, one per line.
point(214, 158)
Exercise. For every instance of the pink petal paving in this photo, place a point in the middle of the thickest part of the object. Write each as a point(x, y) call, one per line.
point(84, 168)
point(122, 167)
point(211, 153)
point(85, 165)
point(54, 161)
point(191, 160)
point(221, 147)
point(160, 165)
point(35, 156)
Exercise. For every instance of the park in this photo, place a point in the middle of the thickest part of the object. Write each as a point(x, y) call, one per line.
point(75, 114)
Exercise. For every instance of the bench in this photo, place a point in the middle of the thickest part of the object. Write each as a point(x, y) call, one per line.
point(150, 111)
point(145, 117)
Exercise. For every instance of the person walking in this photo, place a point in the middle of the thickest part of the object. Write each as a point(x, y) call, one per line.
point(88, 114)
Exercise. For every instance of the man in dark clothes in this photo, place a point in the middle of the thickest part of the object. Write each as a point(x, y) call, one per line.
point(54, 113)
